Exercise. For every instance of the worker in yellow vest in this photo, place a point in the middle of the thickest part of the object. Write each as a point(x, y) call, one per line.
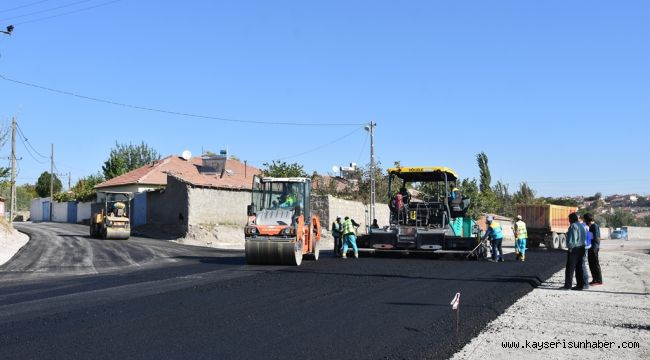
point(349, 237)
point(521, 236)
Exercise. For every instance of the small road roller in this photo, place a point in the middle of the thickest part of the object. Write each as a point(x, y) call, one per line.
point(110, 219)
point(281, 228)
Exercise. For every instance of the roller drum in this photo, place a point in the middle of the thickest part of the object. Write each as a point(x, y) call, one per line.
point(268, 252)
point(117, 234)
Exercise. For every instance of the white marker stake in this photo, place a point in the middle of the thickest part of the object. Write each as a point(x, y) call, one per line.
point(455, 305)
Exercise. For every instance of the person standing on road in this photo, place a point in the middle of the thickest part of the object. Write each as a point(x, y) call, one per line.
point(575, 242)
point(592, 254)
point(337, 232)
point(585, 271)
point(495, 233)
point(521, 236)
point(349, 238)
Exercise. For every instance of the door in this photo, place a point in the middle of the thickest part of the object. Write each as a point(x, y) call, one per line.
point(46, 211)
point(139, 212)
point(72, 212)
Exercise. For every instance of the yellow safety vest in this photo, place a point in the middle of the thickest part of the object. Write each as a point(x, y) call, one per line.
point(347, 227)
point(520, 227)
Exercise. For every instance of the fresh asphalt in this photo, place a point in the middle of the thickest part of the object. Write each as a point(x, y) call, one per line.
point(66, 296)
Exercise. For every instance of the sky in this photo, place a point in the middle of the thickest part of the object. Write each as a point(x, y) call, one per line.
point(556, 93)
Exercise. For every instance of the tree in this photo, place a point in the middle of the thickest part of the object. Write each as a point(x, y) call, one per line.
point(83, 190)
point(504, 199)
point(524, 196)
point(621, 217)
point(281, 169)
point(486, 178)
point(124, 158)
point(43, 184)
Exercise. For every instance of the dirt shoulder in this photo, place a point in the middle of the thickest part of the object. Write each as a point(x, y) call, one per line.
point(611, 321)
point(11, 240)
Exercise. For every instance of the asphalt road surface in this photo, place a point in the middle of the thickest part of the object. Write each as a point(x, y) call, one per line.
point(65, 296)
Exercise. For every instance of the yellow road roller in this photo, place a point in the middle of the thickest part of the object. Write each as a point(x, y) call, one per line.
point(110, 220)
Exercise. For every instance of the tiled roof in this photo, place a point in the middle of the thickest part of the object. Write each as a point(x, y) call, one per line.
point(237, 176)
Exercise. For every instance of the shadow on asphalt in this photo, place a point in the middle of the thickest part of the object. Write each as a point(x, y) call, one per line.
point(221, 260)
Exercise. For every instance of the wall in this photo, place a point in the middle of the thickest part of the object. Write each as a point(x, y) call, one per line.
point(36, 209)
point(133, 188)
point(170, 206)
point(637, 233)
point(217, 206)
point(83, 211)
point(60, 212)
point(329, 207)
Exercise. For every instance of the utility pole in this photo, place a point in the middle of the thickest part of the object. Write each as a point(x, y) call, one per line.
point(371, 129)
point(51, 180)
point(12, 207)
point(69, 182)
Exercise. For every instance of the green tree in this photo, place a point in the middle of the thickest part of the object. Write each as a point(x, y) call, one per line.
point(621, 217)
point(124, 158)
point(281, 169)
point(43, 184)
point(83, 190)
point(524, 196)
point(504, 199)
point(486, 178)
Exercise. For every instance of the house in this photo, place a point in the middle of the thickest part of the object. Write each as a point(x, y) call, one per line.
point(179, 192)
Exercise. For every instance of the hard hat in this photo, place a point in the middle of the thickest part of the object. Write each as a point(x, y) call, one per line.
point(454, 189)
point(489, 219)
point(338, 217)
point(518, 217)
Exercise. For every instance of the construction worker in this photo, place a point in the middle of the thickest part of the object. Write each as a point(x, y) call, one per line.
point(495, 234)
point(349, 237)
point(337, 232)
point(521, 236)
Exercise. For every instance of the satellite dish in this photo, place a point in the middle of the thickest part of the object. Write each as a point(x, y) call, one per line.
point(335, 168)
point(187, 155)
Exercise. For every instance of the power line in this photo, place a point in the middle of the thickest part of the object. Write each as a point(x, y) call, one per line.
point(23, 6)
point(67, 13)
point(46, 10)
point(322, 146)
point(170, 112)
point(29, 152)
point(22, 134)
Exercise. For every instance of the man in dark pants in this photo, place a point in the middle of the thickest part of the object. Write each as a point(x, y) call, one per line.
point(337, 229)
point(592, 255)
point(575, 241)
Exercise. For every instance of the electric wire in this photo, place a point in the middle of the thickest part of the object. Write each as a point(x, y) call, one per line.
point(67, 13)
point(29, 152)
point(21, 133)
point(46, 10)
point(321, 146)
point(170, 112)
point(23, 6)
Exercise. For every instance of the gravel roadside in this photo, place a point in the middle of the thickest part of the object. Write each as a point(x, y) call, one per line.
point(613, 320)
point(11, 240)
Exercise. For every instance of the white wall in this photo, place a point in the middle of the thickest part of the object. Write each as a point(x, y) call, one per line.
point(83, 211)
point(60, 212)
point(36, 209)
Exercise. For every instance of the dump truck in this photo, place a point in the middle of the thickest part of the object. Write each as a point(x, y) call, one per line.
point(281, 228)
point(110, 217)
point(546, 224)
point(434, 222)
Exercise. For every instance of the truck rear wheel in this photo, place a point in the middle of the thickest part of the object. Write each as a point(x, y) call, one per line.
point(555, 241)
point(562, 241)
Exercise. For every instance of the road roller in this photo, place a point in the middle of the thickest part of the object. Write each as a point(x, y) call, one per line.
point(433, 221)
point(110, 219)
point(281, 229)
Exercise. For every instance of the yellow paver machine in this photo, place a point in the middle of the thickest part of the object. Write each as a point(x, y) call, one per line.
point(432, 221)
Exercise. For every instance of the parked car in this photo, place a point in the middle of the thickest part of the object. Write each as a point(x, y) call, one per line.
point(619, 234)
